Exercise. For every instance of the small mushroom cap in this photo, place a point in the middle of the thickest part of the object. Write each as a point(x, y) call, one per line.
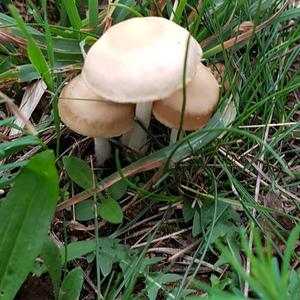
point(140, 59)
point(202, 95)
point(84, 112)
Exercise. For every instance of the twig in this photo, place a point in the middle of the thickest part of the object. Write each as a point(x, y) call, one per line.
point(173, 251)
point(162, 238)
point(183, 251)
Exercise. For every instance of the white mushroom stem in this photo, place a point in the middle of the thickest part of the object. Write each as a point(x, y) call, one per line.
point(102, 150)
point(174, 134)
point(136, 138)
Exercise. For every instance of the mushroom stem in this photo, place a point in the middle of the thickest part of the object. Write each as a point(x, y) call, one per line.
point(173, 136)
point(137, 136)
point(102, 150)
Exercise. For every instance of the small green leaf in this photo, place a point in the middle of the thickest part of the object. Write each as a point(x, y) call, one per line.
point(196, 229)
point(26, 212)
point(52, 259)
point(84, 211)
point(110, 210)
point(188, 211)
point(105, 263)
point(118, 190)
point(71, 286)
point(79, 171)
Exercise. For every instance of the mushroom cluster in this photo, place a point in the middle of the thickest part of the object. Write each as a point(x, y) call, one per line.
point(134, 63)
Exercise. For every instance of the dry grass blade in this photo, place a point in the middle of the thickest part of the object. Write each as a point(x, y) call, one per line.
point(17, 113)
point(246, 35)
point(30, 100)
point(7, 35)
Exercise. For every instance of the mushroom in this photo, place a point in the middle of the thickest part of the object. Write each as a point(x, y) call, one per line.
point(88, 114)
point(138, 61)
point(202, 95)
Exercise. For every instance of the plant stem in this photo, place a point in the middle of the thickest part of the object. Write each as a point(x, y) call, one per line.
point(102, 150)
point(137, 136)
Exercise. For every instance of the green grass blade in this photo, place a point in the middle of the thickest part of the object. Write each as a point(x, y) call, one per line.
point(48, 36)
point(179, 11)
point(34, 52)
point(73, 14)
point(93, 13)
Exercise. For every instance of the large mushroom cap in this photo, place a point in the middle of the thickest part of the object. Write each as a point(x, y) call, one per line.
point(81, 110)
point(140, 59)
point(202, 95)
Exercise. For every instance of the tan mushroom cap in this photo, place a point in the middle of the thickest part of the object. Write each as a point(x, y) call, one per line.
point(80, 112)
point(140, 60)
point(202, 95)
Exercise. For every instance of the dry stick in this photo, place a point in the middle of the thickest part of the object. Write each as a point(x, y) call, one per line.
point(146, 166)
point(237, 163)
point(146, 234)
point(183, 251)
point(244, 36)
point(146, 187)
point(141, 223)
point(173, 251)
point(162, 238)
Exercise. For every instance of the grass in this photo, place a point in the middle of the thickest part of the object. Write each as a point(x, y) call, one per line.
point(215, 215)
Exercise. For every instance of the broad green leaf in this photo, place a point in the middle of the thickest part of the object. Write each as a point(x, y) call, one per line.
point(110, 210)
point(118, 190)
point(71, 286)
point(84, 210)
point(79, 171)
point(155, 281)
point(52, 259)
point(26, 213)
